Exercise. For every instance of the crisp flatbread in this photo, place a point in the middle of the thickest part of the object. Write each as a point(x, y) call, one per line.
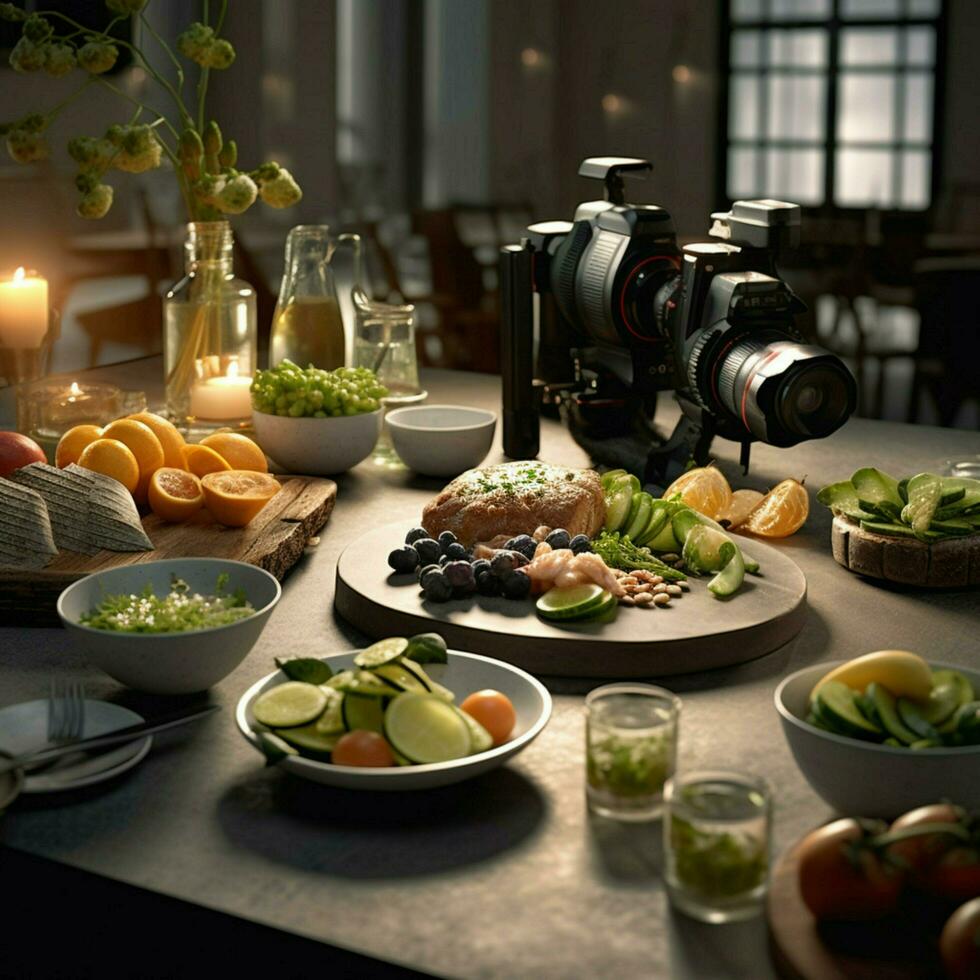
point(26, 540)
point(114, 522)
point(67, 497)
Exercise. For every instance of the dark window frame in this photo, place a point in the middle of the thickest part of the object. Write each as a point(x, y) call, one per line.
point(833, 25)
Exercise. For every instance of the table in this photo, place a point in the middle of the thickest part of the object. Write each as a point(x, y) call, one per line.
point(506, 876)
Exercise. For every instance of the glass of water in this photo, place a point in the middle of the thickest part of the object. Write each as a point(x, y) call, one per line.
point(717, 828)
point(631, 749)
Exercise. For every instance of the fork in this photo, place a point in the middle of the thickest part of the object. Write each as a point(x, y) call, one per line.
point(66, 712)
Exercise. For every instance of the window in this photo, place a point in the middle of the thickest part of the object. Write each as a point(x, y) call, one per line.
point(832, 101)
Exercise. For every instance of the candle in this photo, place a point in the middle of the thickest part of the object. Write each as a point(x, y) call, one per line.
point(23, 311)
point(224, 397)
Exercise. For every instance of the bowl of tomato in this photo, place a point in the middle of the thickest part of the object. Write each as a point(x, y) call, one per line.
point(855, 773)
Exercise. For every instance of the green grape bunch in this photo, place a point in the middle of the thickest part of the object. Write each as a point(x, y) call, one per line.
point(289, 390)
point(205, 165)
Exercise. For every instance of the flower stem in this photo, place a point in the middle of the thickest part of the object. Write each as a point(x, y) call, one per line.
point(166, 48)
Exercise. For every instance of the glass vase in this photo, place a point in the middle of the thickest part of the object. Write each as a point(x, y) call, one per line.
point(210, 351)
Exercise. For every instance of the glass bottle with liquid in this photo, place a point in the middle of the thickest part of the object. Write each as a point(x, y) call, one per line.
point(307, 327)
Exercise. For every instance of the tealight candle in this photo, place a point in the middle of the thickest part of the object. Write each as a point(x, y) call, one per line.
point(223, 397)
point(23, 311)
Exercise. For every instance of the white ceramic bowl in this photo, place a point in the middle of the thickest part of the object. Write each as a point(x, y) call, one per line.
point(317, 447)
point(463, 674)
point(866, 779)
point(441, 440)
point(170, 663)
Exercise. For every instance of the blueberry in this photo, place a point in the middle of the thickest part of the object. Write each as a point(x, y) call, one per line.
point(481, 565)
point(404, 560)
point(446, 539)
point(504, 562)
point(456, 551)
point(437, 588)
point(559, 538)
point(426, 573)
point(523, 543)
point(428, 550)
point(517, 585)
point(580, 543)
point(487, 583)
point(416, 534)
point(459, 574)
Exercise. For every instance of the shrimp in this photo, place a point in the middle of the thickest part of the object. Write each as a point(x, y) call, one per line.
point(562, 569)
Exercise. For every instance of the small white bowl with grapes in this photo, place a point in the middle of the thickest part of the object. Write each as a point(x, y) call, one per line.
point(316, 422)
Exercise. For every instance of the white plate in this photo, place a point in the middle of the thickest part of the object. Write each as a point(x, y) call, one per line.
point(464, 674)
point(24, 726)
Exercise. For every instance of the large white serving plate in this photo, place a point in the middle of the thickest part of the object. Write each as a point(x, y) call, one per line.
point(463, 674)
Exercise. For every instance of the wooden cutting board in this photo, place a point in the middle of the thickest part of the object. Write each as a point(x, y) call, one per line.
point(274, 540)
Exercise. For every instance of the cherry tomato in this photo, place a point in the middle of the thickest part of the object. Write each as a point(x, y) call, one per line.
point(362, 748)
point(956, 876)
point(920, 853)
point(493, 711)
point(843, 879)
point(959, 943)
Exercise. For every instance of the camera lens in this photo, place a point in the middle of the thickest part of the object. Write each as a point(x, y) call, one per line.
point(809, 399)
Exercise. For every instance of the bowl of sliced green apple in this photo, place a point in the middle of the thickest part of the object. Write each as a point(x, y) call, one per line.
point(386, 717)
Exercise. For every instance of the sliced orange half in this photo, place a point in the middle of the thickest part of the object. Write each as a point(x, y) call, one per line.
point(235, 497)
point(170, 439)
point(73, 442)
point(240, 452)
point(201, 460)
point(175, 495)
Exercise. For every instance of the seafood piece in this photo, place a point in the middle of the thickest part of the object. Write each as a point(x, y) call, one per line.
point(562, 568)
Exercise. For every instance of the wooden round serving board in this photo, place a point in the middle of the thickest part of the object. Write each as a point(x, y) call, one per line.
point(696, 632)
point(893, 949)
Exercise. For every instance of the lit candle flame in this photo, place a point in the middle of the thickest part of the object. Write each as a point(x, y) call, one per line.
point(74, 390)
point(232, 371)
point(19, 274)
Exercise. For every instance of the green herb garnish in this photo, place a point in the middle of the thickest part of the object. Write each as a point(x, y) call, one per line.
point(629, 767)
point(618, 551)
point(716, 865)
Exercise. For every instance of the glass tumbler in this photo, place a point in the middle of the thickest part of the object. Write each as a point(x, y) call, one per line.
point(630, 749)
point(717, 828)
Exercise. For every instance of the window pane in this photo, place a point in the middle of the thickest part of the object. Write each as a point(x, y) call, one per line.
point(920, 46)
point(918, 107)
point(915, 179)
point(742, 173)
point(924, 8)
point(795, 175)
point(746, 9)
point(866, 107)
point(863, 177)
point(802, 48)
point(800, 9)
point(869, 46)
point(876, 9)
point(743, 107)
point(746, 48)
point(795, 107)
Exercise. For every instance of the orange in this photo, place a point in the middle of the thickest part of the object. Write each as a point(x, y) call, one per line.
point(704, 489)
point(72, 443)
point(783, 510)
point(235, 497)
point(112, 458)
point(175, 495)
point(201, 460)
point(240, 452)
point(742, 504)
point(170, 439)
point(145, 447)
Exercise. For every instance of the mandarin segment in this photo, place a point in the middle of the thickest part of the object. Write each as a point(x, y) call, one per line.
point(783, 511)
point(73, 442)
point(174, 494)
point(742, 504)
point(170, 438)
point(110, 457)
point(704, 488)
point(202, 460)
point(240, 452)
point(236, 496)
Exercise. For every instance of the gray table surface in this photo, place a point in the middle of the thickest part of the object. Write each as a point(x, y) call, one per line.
point(505, 876)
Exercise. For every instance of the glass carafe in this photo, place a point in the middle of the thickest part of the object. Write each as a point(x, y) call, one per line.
point(209, 334)
point(307, 327)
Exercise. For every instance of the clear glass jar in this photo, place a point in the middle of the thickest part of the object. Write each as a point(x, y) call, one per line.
point(307, 327)
point(209, 349)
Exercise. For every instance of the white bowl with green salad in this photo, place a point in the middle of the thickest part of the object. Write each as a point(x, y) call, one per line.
point(174, 626)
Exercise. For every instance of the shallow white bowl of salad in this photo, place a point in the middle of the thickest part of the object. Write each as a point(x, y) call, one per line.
point(463, 674)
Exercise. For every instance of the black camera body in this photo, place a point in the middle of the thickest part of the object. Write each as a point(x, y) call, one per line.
point(624, 313)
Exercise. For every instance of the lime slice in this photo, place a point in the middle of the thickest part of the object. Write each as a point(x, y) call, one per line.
point(570, 603)
point(290, 704)
point(382, 652)
point(480, 739)
point(424, 728)
point(605, 611)
point(331, 720)
point(308, 738)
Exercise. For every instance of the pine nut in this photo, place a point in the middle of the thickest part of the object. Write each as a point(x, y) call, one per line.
point(674, 590)
point(660, 599)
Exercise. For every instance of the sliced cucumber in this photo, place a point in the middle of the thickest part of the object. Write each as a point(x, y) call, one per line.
point(424, 728)
point(959, 682)
point(925, 492)
point(306, 669)
point(884, 702)
point(362, 682)
point(641, 518)
point(635, 502)
point(618, 502)
point(480, 739)
point(871, 484)
point(605, 612)
point(365, 713)
point(837, 704)
point(944, 699)
point(659, 517)
point(914, 720)
point(309, 738)
point(751, 565)
point(952, 527)
point(331, 720)
point(274, 748)
point(890, 530)
point(664, 540)
point(729, 580)
point(703, 549)
point(418, 673)
point(572, 602)
point(610, 477)
point(382, 652)
point(289, 704)
point(400, 679)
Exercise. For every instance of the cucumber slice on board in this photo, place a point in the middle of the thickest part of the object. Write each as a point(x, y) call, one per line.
point(871, 484)
point(884, 702)
point(730, 578)
point(289, 704)
point(641, 518)
point(659, 516)
point(308, 738)
point(480, 739)
point(618, 502)
point(424, 728)
point(635, 502)
point(664, 541)
point(610, 477)
point(364, 713)
point(889, 530)
point(703, 549)
point(571, 603)
point(383, 652)
point(837, 705)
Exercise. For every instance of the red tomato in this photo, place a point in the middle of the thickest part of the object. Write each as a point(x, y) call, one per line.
point(17, 451)
point(956, 876)
point(362, 748)
point(493, 711)
point(959, 943)
point(842, 879)
point(920, 853)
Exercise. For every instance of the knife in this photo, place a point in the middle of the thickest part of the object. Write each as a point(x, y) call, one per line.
point(120, 735)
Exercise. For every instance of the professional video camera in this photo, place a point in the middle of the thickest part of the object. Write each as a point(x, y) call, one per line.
point(623, 313)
